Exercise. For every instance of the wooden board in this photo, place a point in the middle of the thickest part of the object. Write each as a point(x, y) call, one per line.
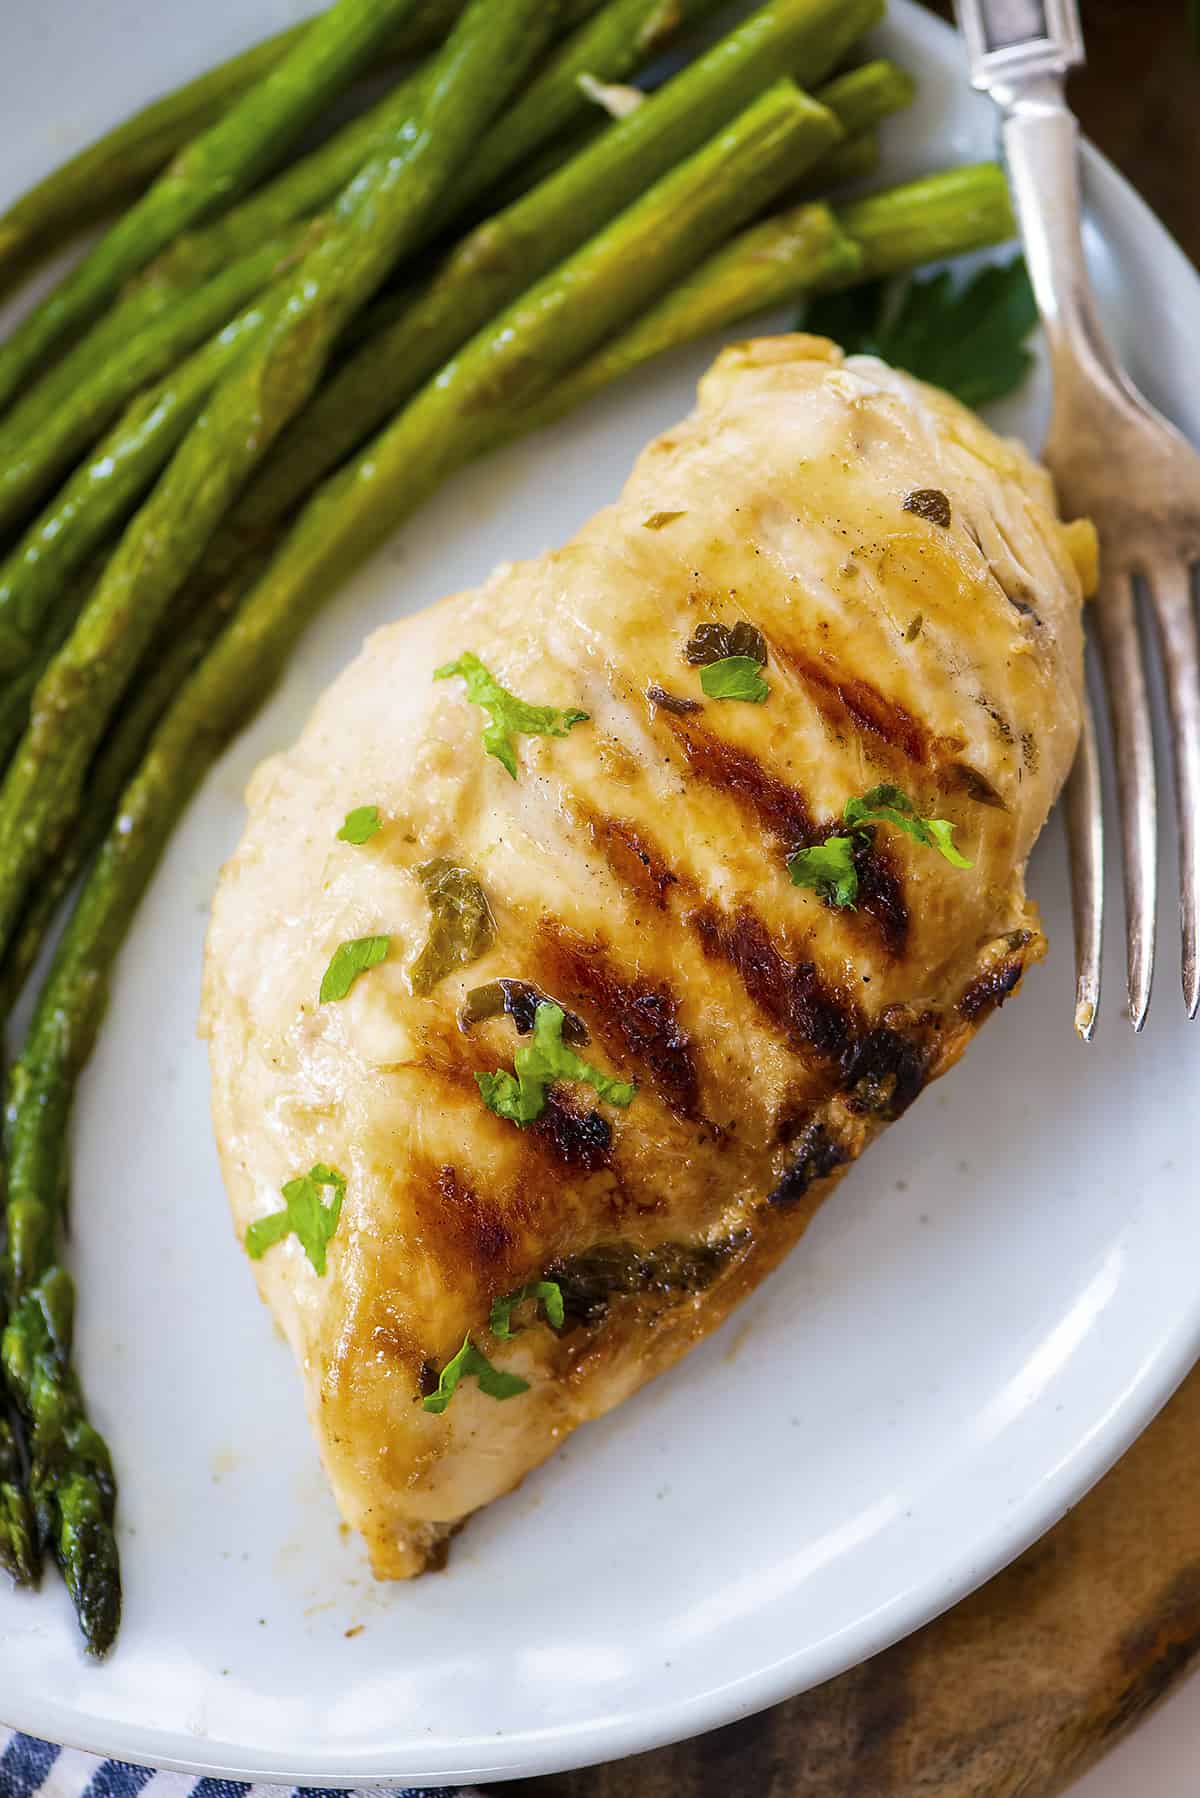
point(1025, 1685)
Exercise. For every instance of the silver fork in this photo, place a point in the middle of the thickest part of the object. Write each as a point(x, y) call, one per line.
point(1118, 461)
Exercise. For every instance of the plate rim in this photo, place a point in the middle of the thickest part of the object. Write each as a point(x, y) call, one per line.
point(662, 1723)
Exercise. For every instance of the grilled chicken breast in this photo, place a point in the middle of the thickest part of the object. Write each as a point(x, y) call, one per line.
point(920, 606)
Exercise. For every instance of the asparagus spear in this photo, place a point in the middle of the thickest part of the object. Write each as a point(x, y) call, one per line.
point(851, 161)
point(103, 491)
point(795, 252)
point(240, 148)
point(18, 1534)
point(70, 1479)
point(390, 198)
point(38, 442)
point(498, 259)
point(114, 168)
point(612, 44)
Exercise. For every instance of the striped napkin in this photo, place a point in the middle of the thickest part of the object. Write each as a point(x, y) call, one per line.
point(33, 1769)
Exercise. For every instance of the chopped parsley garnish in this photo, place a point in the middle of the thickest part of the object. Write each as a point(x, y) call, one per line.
point(349, 960)
point(736, 677)
point(470, 1361)
point(547, 1292)
point(829, 868)
point(461, 926)
point(521, 1097)
point(510, 716)
point(361, 824)
point(888, 805)
point(968, 339)
point(306, 1215)
point(658, 520)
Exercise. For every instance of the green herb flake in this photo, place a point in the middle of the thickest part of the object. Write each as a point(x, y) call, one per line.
point(361, 825)
point(888, 805)
point(658, 520)
point(461, 926)
point(509, 715)
point(349, 961)
point(521, 1097)
point(736, 677)
point(968, 339)
point(469, 1361)
point(306, 1215)
point(828, 868)
point(547, 1292)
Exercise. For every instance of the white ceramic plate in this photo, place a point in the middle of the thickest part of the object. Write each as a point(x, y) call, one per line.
point(988, 1312)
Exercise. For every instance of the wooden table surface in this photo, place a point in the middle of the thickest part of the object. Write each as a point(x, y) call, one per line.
point(1018, 1690)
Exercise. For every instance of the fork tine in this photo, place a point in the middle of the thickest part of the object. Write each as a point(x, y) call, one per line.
point(1085, 833)
point(1129, 706)
point(1171, 597)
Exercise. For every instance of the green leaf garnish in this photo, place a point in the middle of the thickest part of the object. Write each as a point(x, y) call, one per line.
point(349, 961)
point(461, 926)
point(888, 805)
point(509, 715)
point(361, 824)
point(736, 677)
point(538, 1063)
point(549, 1292)
point(469, 1361)
point(829, 867)
point(305, 1215)
point(968, 339)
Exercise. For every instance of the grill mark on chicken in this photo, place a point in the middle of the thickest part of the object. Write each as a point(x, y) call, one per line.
point(637, 1019)
point(791, 994)
point(818, 1154)
point(635, 861)
point(846, 699)
point(988, 991)
point(780, 809)
point(590, 1281)
point(881, 897)
point(462, 1230)
point(578, 1138)
point(883, 1074)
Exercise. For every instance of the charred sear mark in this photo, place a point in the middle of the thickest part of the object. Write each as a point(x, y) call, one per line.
point(991, 988)
point(975, 785)
point(427, 1378)
point(670, 702)
point(466, 1230)
point(714, 642)
point(817, 1155)
point(591, 1281)
point(846, 700)
point(577, 1138)
point(883, 1074)
point(634, 859)
point(638, 1019)
point(791, 994)
point(881, 897)
point(929, 503)
point(779, 809)
point(519, 1000)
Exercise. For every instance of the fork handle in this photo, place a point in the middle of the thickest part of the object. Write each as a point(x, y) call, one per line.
point(1019, 52)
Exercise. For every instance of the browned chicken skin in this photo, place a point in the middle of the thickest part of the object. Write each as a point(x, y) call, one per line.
point(636, 872)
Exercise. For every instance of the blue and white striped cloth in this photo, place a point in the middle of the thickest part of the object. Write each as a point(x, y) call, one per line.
point(33, 1769)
